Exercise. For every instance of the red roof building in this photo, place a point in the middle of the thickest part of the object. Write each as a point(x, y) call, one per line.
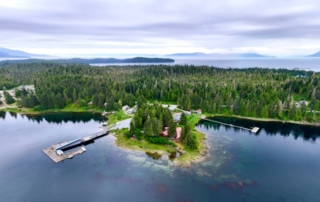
point(178, 131)
point(165, 132)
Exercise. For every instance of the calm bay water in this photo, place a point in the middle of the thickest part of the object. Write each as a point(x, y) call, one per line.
point(308, 64)
point(303, 63)
point(280, 163)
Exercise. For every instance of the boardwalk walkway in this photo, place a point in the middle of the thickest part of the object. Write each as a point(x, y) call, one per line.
point(253, 130)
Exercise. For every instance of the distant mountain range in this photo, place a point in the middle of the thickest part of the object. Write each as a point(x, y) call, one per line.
point(219, 55)
point(315, 55)
point(95, 60)
point(8, 53)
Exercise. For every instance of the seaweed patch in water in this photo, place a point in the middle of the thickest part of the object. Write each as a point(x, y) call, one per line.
point(154, 155)
point(162, 188)
point(173, 155)
point(234, 185)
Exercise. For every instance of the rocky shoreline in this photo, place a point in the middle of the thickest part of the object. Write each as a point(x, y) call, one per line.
point(200, 158)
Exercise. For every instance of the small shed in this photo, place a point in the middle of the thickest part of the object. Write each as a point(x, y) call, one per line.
point(21, 87)
point(299, 103)
point(198, 111)
point(125, 107)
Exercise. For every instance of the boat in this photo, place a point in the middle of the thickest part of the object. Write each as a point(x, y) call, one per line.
point(70, 156)
point(105, 124)
point(83, 149)
point(59, 152)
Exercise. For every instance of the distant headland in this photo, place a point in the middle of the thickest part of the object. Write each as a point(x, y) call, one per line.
point(96, 60)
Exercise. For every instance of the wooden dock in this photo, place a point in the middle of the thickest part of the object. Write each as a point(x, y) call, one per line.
point(253, 130)
point(51, 152)
point(94, 136)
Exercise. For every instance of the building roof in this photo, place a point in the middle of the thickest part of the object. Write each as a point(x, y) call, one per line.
point(165, 132)
point(177, 117)
point(171, 107)
point(178, 130)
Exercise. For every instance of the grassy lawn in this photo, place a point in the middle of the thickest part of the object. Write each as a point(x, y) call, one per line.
point(163, 102)
point(299, 97)
point(69, 108)
point(141, 145)
point(193, 120)
point(190, 154)
point(119, 116)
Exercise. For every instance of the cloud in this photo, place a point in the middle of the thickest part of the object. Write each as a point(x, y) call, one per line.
point(58, 27)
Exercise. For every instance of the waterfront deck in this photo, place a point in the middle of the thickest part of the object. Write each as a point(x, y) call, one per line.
point(254, 129)
point(51, 152)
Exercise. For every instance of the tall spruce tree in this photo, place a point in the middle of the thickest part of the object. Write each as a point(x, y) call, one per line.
point(183, 119)
point(172, 129)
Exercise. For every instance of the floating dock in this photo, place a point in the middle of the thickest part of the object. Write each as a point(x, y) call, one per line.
point(53, 150)
point(253, 130)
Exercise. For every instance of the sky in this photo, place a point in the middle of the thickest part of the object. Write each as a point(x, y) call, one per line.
point(107, 27)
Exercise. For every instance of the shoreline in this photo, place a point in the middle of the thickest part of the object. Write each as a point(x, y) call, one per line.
point(189, 157)
point(199, 158)
point(185, 160)
point(30, 111)
point(264, 119)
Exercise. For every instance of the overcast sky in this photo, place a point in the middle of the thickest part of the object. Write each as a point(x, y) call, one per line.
point(74, 27)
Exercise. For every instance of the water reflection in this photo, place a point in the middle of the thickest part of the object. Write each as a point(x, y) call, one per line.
point(239, 167)
point(284, 129)
point(58, 118)
point(2, 115)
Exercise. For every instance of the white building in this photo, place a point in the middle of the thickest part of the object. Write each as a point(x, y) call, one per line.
point(299, 103)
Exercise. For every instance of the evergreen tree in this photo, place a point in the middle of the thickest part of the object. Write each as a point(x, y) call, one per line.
point(183, 134)
point(58, 85)
point(147, 128)
point(172, 129)
point(190, 141)
point(8, 97)
point(183, 119)
point(132, 127)
point(187, 128)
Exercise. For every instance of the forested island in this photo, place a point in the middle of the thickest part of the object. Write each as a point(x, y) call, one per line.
point(269, 94)
point(92, 61)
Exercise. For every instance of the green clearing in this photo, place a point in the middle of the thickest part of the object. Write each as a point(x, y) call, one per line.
point(119, 116)
point(141, 145)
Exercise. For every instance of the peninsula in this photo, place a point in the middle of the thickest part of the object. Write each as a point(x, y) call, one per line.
point(93, 61)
